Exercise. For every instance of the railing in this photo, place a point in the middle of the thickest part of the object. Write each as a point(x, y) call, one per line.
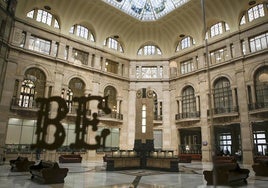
point(261, 149)
point(26, 148)
point(73, 110)
point(107, 149)
point(24, 103)
point(112, 115)
point(18, 148)
point(190, 149)
point(70, 150)
point(259, 105)
point(158, 117)
point(223, 110)
point(186, 115)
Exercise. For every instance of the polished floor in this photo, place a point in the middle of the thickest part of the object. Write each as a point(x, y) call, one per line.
point(93, 174)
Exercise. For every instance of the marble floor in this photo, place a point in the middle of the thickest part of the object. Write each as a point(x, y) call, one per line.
point(93, 174)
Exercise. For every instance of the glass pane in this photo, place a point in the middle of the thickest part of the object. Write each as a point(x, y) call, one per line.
point(146, 10)
point(30, 14)
point(14, 121)
point(27, 135)
point(29, 122)
point(260, 135)
point(143, 129)
point(13, 134)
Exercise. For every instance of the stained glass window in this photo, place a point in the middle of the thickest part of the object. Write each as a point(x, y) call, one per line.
point(146, 10)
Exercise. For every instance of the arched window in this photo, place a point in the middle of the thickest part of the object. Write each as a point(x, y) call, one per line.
point(33, 86)
point(45, 17)
point(185, 42)
point(157, 108)
point(82, 31)
point(188, 102)
point(27, 94)
point(258, 42)
point(114, 44)
point(253, 13)
point(217, 29)
point(261, 87)
point(76, 89)
point(148, 50)
point(222, 96)
point(111, 92)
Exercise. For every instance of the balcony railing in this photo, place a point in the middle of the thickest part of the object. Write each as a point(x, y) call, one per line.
point(112, 115)
point(223, 110)
point(186, 115)
point(30, 104)
point(256, 106)
point(73, 110)
point(158, 117)
point(261, 149)
point(190, 149)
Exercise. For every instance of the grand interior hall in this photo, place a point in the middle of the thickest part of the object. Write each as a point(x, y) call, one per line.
point(133, 93)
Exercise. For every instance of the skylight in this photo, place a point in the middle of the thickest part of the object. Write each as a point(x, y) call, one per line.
point(146, 10)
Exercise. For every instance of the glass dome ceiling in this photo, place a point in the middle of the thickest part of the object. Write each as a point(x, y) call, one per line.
point(146, 10)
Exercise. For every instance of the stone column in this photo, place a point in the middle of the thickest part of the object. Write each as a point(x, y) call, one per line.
point(90, 60)
point(97, 63)
point(61, 50)
point(53, 45)
point(172, 121)
point(234, 97)
point(197, 103)
point(103, 64)
point(51, 154)
point(46, 90)
point(196, 62)
point(158, 71)
point(180, 105)
point(158, 108)
point(8, 88)
point(119, 70)
point(247, 45)
point(212, 100)
point(27, 40)
point(206, 132)
point(253, 94)
point(91, 154)
point(19, 87)
point(167, 129)
point(201, 58)
point(127, 134)
point(70, 54)
point(118, 106)
point(237, 48)
point(229, 53)
point(246, 132)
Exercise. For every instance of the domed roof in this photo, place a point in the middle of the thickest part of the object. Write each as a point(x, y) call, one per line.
point(106, 20)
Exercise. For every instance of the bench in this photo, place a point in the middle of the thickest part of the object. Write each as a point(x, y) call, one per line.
point(48, 172)
point(260, 166)
point(185, 158)
point(71, 158)
point(21, 164)
point(224, 159)
point(228, 173)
